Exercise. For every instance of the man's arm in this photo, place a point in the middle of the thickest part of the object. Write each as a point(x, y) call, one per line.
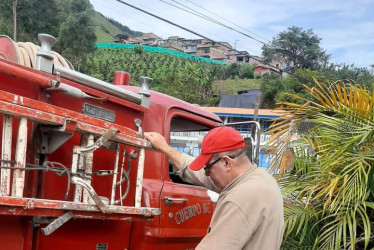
point(159, 143)
point(180, 162)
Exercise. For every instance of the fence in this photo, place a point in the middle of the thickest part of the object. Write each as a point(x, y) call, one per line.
point(159, 50)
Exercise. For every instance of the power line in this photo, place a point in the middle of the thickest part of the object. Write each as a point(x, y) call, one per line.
point(202, 16)
point(212, 20)
point(177, 25)
point(181, 27)
point(192, 11)
point(105, 6)
point(157, 28)
point(157, 11)
point(197, 34)
point(165, 20)
point(227, 20)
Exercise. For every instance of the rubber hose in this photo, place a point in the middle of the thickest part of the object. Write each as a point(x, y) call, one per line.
point(27, 51)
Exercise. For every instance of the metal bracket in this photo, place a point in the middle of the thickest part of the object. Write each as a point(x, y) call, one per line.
point(87, 151)
point(138, 124)
point(100, 204)
point(144, 90)
point(57, 223)
point(56, 83)
point(44, 57)
point(51, 138)
point(37, 220)
point(98, 143)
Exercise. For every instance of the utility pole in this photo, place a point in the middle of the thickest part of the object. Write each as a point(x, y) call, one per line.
point(235, 43)
point(15, 20)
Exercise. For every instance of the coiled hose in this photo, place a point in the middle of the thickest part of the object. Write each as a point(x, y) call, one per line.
point(26, 54)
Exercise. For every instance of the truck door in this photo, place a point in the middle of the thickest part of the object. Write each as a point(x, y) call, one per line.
point(186, 209)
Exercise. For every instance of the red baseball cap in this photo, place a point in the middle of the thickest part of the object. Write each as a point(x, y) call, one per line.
point(217, 140)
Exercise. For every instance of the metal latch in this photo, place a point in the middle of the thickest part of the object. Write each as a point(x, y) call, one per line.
point(170, 200)
point(53, 226)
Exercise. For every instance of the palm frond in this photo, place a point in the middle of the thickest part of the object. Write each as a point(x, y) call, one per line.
point(332, 166)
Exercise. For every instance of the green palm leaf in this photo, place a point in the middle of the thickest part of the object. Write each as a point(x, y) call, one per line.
point(332, 167)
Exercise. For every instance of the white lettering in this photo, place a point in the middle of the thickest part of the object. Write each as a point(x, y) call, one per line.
point(187, 213)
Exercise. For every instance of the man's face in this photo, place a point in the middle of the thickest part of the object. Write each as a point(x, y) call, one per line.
point(218, 171)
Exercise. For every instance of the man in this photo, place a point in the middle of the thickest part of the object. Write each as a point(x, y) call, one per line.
point(249, 211)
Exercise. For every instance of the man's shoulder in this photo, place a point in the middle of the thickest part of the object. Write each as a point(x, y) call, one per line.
point(258, 186)
point(258, 177)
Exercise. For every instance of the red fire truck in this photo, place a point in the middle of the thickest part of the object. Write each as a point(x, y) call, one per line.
point(75, 170)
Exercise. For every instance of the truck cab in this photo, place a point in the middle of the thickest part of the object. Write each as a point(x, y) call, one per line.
point(76, 172)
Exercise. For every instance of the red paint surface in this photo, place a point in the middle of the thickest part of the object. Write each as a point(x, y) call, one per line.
point(22, 93)
point(7, 49)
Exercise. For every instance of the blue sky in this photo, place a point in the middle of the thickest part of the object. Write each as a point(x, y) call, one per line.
point(345, 26)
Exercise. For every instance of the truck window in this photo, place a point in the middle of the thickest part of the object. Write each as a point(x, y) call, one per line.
point(185, 136)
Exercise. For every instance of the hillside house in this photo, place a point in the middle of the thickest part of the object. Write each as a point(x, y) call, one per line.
point(237, 57)
point(255, 60)
point(150, 39)
point(213, 50)
point(120, 38)
point(203, 49)
point(134, 40)
point(263, 69)
point(190, 45)
point(182, 45)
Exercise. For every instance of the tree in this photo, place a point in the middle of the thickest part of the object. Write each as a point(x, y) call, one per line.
point(233, 70)
point(330, 191)
point(30, 17)
point(350, 73)
point(15, 20)
point(297, 49)
point(271, 86)
point(6, 14)
point(138, 49)
point(246, 72)
point(76, 39)
point(295, 84)
point(193, 84)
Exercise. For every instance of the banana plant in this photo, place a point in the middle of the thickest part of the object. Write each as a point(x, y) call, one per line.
point(328, 182)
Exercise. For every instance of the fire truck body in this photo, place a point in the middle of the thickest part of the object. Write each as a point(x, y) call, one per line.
point(76, 172)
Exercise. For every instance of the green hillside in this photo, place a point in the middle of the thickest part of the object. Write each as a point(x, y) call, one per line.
point(232, 86)
point(106, 29)
point(104, 62)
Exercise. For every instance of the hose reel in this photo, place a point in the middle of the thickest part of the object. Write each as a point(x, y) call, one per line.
point(24, 53)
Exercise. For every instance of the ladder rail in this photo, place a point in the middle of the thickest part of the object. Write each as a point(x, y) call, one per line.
point(26, 109)
point(6, 150)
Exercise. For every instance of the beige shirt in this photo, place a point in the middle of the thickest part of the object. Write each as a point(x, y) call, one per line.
point(248, 214)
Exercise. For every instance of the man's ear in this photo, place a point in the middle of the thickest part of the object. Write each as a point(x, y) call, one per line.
point(227, 163)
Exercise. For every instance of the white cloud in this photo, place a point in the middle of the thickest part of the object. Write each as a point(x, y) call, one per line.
point(359, 34)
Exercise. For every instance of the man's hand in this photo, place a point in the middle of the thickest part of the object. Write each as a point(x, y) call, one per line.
point(159, 143)
point(157, 140)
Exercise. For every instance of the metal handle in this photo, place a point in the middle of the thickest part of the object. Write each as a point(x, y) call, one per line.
point(171, 200)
